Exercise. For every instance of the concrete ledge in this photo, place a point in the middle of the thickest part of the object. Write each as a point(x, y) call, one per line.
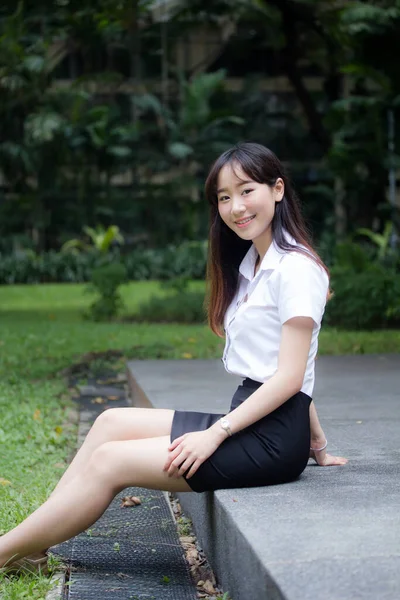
point(334, 533)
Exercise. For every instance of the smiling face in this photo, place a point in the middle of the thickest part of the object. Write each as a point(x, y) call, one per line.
point(248, 207)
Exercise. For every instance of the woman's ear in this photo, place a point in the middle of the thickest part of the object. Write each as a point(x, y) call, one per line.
point(279, 189)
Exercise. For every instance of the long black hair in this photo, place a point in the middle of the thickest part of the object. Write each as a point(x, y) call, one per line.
point(226, 249)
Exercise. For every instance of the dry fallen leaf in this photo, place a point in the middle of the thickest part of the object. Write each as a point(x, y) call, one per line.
point(130, 501)
point(192, 556)
point(4, 481)
point(209, 588)
point(187, 539)
point(36, 414)
point(98, 400)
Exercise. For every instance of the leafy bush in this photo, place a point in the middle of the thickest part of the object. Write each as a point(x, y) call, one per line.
point(177, 284)
point(50, 267)
point(351, 256)
point(106, 281)
point(183, 307)
point(188, 260)
point(366, 299)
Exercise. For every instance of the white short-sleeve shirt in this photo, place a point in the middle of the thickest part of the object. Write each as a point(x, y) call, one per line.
point(287, 284)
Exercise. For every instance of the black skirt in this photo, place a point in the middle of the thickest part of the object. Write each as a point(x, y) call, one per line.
point(273, 450)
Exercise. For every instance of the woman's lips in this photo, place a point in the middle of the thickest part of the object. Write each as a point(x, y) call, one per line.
point(246, 223)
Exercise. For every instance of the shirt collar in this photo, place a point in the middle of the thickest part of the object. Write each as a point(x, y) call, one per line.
point(270, 261)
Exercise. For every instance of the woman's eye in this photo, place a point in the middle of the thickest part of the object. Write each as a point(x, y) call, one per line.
point(223, 198)
point(246, 192)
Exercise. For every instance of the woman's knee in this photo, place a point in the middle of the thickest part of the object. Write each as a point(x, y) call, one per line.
point(103, 461)
point(108, 419)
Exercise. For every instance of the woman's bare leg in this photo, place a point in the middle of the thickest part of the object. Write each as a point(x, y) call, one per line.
point(118, 424)
point(112, 467)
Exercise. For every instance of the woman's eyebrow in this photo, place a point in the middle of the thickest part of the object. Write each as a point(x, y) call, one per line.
point(237, 185)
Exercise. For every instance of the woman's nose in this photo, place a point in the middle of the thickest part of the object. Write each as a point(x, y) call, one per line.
point(237, 207)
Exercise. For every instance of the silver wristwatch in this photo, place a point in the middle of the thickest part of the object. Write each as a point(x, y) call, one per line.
point(225, 425)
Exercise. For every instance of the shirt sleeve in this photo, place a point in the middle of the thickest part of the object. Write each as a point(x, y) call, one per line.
point(303, 287)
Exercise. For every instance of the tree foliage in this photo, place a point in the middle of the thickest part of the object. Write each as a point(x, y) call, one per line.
point(100, 125)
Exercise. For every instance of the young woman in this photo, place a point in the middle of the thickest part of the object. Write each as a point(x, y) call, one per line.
point(268, 290)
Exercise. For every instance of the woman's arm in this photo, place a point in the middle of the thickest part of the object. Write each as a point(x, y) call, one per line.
point(318, 441)
point(287, 381)
point(317, 434)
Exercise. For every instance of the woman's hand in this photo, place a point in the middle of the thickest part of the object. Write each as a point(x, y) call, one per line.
point(322, 458)
point(191, 450)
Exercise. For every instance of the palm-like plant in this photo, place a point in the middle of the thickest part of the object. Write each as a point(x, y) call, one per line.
point(101, 240)
point(381, 240)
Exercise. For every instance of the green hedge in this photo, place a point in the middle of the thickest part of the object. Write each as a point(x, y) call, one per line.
point(364, 300)
point(186, 260)
point(369, 299)
point(182, 307)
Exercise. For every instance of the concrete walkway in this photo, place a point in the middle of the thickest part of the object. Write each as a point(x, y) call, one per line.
point(334, 533)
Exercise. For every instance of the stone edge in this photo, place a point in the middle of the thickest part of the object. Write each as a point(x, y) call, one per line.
point(203, 509)
point(58, 579)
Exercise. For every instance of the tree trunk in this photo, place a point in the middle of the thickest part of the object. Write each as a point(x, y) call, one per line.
point(339, 209)
point(291, 55)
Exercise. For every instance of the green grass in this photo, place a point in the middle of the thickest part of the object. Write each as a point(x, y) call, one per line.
point(42, 332)
point(36, 439)
point(45, 323)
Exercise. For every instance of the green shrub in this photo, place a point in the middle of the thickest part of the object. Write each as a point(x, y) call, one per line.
point(50, 267)
point(364, 300)
point(188, 260)
point(351, 256)
point(177, 284)
point(183, 307)
point(105, 281)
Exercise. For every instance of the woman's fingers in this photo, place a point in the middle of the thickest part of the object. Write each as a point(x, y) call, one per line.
point(194, 468)
point(176, 441)
point(323, 459)
point(330, 460)
point(173, 454)
point(184, 467)
point(175, 464)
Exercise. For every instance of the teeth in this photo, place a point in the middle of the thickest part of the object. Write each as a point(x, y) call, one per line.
point(245, 221)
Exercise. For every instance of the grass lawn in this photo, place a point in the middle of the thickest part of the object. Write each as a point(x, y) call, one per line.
point(41, 332)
